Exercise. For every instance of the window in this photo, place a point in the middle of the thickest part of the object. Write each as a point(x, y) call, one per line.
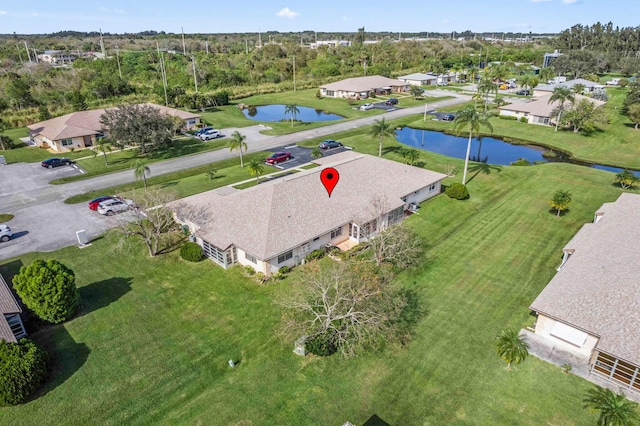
point(284, 257)
point(67, 142)
point(250, 258)
point(432, 187)
point(336, 232)
point(395, 216)
point(330, 93)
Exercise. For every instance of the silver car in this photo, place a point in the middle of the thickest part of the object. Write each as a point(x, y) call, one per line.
point(115, 205)
point(5, 233)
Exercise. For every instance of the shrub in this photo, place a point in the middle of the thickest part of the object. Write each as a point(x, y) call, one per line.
point(191, 252)
point(457, 191)
point(508, 117)
point(318, 94)
point(521, 162)
point(23, 367)
point(524, 120)
point(284, 270)
point(323, 344)
point(249, 270)
point(48, 288)
point(623, 82)
point(315, 255)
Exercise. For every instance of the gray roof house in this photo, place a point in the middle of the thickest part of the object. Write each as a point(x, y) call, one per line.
point(419, 79)
point(539, 110)
point(590, 307)
point(278, 223)
point(80, 129)
point(590, 86)
point(363, 87)
point(11, 327)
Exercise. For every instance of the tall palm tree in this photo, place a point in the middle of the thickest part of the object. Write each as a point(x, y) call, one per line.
point(103, 146)
point(578, 88)
point(511, 347)
point(410, 155)
point(486, 87)
point(293, 110)
point(140, 170)
point(238, 142)
point(470, 118)
point(562, 95)
point(381, 129)
point(256, 169)
point(615, 409)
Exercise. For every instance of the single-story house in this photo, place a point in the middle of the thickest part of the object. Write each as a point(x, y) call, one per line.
point(419, 79)
point(589, 86)
point(539, 110)
point(11, 327)
point(448, 77)
point(81, 129)
point(590, 307)
point(278, 223)
point(57, 57)
point(363, 87)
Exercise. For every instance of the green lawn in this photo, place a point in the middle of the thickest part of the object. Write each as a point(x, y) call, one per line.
point(153, 337)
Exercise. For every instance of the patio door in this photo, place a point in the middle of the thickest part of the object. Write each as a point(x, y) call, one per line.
point(354, 231)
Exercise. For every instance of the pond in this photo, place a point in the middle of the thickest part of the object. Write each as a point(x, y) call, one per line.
point(277, 113)
point(484, 149)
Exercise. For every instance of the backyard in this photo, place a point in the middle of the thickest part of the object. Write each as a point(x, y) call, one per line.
point(154, 335)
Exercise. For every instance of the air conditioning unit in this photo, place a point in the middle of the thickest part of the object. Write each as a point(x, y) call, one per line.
point(413, 207)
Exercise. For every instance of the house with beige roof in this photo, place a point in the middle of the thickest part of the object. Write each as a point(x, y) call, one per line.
point(539, 110)
point(419, 79)
point(364, 87)
point(590, 307)
point(589, 86)
point(81, 129)
point(278, 223)
point(11, 327)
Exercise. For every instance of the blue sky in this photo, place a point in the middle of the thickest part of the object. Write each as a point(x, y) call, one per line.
point(117, 16)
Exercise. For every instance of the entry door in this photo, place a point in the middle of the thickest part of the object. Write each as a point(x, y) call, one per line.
point(87, 141)
point(354, 231)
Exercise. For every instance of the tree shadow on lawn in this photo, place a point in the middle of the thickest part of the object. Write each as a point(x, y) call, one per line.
point(483, 168)
point(100, 294)
point(562, 213)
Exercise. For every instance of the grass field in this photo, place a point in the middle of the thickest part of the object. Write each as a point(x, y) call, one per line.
point(153, 337)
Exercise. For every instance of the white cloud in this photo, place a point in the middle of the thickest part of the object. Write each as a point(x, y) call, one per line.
point(34, 14)
point(3, 12)
point(287, 13)
point(569, 1)
point(346, 18)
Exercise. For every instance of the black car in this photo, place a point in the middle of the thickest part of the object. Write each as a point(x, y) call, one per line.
point(56, 162)
point(329, 143)
point(523, 92)
point(448, 117)
point(392, 101)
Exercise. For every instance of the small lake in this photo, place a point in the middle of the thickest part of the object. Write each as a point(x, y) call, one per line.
point(277, 113)
point(484, 149)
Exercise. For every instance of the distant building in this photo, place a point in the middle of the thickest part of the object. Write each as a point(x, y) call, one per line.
point(57, 57)
point(363, 87)
point(331, 43)
point(549, 58)
point(540, 110)
point(419, 79)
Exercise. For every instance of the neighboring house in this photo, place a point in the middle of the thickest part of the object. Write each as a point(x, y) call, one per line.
point(11, 327)
point(539, 110)
point(278, 223)
point(81, 129)
point(448, 77)
point(590, 307)
point(589, 86)
point(330, 43)
point(549, 58)
point(57, 57)
point(363, 87)
point(419, 79)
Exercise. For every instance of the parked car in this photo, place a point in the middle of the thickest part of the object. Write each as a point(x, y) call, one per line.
point(329, 143)
point(210, 134)
point(202, 130)
point(448, 117)
point(523, 92)
point(93, 204)
point(5, 233)
point(278, 157)
point(441, 83)
point(114, 205)
point(366, 107)
point(391, 101)
point(50, 163)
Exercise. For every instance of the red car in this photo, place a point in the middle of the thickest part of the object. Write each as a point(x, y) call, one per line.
point(93, 204)
point(278, 157)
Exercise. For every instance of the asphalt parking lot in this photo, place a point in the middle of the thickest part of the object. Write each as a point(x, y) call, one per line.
point(302, 155)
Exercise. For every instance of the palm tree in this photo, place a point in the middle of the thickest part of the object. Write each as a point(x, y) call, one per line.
point(103, 146)
point(140, 170)
point(511, 347)
point(486, 87)
point(238, 142)
point(256, 169)
point(410, 155)
point(416, 91)
point(578, 88)
point(316, 153)
point(381, 129)
point(561, 94)
point(615, 409)
point(293, 110)
point(471, 118)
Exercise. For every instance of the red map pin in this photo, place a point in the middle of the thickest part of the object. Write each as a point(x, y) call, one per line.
point(329, 178)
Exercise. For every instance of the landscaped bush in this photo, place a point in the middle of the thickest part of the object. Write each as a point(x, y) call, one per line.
point(249, 270)
point(508, 117)
point(524, 120)
point(315, 255)
point(191, 252)
point(23, 367)
point(284, 270)
point(457, 191)
point(521, 162)
point(322, 344)
point(48, 288)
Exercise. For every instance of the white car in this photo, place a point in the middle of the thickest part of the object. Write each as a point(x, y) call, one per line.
point(210, 134)
point(366, 107)
point(115, 205)
point(5, 233)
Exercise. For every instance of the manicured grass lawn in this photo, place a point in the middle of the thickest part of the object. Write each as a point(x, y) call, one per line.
point(4, 217)
point(153, 337)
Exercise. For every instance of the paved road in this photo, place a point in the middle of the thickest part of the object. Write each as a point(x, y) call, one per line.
point(44, 223)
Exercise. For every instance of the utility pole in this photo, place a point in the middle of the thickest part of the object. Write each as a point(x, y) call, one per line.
point(195, 79)
point(294, 73)
point(163, 73)
point(118, 59)
point(206, 45)
point(184, 47)
point(246, 46)
point(19, 52)
point(104, 55)
point(259, 38)
point(35, 55)
point(27, 49)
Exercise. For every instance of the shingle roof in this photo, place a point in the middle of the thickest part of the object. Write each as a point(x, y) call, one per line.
point(569, 84)
point(363, 84)
point(541, 107)
point(271, 218)
point(418, 76)
point(83, 123)
point(8, 305)
point(597, 290)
